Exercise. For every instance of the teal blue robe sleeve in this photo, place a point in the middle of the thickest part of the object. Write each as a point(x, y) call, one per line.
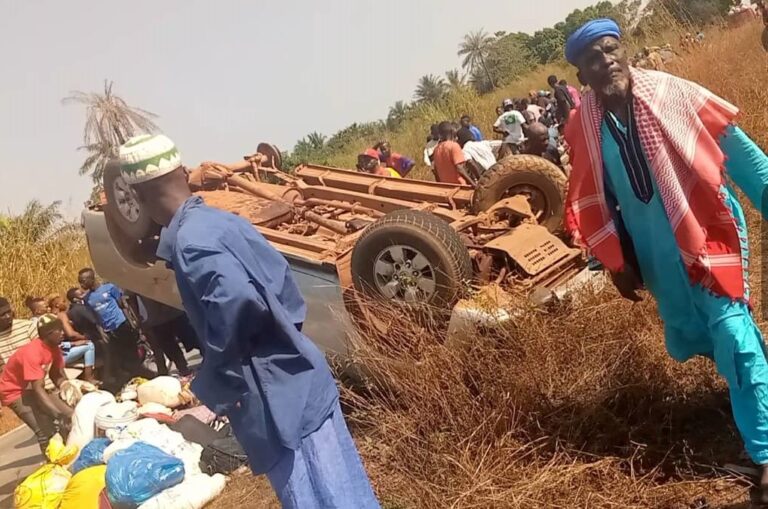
point(747, 166)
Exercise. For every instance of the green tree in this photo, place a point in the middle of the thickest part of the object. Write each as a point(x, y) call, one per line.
point(578, 17)
point(109, 123)
point(508, 58)
point(431, 88)
point(36, 223)
point(456, 80)
point(397, 114)
point(474, 49)
point(546, 45)
point(316, 140)
point(696, 12)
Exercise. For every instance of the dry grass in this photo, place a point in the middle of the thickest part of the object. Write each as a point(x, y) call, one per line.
point(30, 266)
point(246, 492)
point(577, 407)
point(35, 264)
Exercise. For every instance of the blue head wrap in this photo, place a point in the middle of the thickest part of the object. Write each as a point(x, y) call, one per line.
point(587, 34)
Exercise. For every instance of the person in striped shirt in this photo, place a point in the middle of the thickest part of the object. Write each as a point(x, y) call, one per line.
point(13, 333)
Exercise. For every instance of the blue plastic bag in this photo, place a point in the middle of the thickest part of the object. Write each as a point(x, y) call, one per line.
point(140, 472)
point(91, 455)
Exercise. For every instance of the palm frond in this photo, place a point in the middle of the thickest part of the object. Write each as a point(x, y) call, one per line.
point(109, 122)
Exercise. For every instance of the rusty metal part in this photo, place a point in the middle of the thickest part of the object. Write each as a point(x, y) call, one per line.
point(357, 223)
point(468, 221)
point(287, 194)
point(532, 247)
point(334, 226)
point(257, 211)
point(310, 248)
point(516, 205)
point(254, 189)
point(355, 208)
point(451, 195)
point(273, 157)
point(559, 272)
point(344, 269)
point(484, 263)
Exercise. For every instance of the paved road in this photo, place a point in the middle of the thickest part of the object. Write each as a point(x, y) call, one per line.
point(20, 455)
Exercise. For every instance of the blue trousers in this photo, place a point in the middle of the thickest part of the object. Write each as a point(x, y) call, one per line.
point(86, 351)
point(325, 472)
point(740, 356)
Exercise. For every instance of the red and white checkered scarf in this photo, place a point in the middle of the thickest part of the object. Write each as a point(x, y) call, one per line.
point(679, 124)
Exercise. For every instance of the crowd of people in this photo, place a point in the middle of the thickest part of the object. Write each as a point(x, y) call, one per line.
point(459, 153)
point(519, 129)
point(94, 329)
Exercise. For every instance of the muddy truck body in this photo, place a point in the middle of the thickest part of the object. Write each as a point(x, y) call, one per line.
point(350, 236)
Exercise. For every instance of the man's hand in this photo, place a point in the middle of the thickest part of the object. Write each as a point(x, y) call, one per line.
point(464, 177)
point(627, 283)
point(65, 412)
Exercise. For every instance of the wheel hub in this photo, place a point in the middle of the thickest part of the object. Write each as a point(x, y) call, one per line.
point(404, 273)
point(125, 196)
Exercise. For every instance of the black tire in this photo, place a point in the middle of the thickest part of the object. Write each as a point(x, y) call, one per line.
point(139, 225)
point(449, 265)
point(525, 171)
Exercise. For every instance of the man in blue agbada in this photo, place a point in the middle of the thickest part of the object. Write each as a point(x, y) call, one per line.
point(259, 370)
point(649, 198)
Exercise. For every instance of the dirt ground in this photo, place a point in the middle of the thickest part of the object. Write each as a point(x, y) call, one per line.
point(8, 421)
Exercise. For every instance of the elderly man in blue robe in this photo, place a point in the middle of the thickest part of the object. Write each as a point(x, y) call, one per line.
point(258, 369)
point(650, 197)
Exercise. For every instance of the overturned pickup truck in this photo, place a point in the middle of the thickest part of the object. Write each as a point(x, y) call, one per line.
point(346, 234)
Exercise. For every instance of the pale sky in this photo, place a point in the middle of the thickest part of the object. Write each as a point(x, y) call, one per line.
point(222, 76)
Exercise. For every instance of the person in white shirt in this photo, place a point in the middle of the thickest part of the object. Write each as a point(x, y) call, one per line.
point(510, 123)
point(434, 137)
point(478, 152)
point(532, 112)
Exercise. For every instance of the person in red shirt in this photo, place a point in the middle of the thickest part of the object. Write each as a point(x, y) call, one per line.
point(22, 382)
point(368, 162)
point(400, 163)
point(450, 164)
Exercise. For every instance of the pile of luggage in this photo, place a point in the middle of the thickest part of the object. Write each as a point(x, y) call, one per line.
point(156, 447)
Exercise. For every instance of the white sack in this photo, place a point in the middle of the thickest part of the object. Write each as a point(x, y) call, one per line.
point(84, 415)
point(193, 493)
point(164, 390)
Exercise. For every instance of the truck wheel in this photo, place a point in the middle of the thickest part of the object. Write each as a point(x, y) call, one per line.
point(542, 181)
point(411, 257)
point(274, 157)
point(122, 207)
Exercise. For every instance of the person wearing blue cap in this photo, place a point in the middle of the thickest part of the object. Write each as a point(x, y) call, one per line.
point(649, 197)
